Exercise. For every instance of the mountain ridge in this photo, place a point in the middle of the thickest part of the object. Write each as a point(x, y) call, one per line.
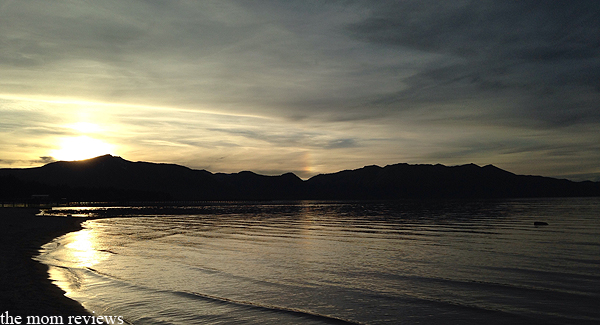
point(116, 179)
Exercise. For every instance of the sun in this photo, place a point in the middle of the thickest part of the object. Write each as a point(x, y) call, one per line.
point(81, 147)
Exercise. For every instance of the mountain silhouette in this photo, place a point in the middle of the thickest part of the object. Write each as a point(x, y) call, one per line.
point(111, 178)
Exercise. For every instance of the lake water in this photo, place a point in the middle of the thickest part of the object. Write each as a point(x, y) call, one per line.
point(408, 262)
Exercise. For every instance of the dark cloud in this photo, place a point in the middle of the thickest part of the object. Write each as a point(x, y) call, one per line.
point(514, 30)
point(289, 138)
point(33, 162)
point(342, 143)
point(47, 159)
point(545, 56)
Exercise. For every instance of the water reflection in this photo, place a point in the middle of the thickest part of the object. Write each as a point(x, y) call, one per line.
point(369, 262)
point(82, 249)
point(69, 256)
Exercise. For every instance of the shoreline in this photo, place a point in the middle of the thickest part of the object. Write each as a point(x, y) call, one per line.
point(26, 287)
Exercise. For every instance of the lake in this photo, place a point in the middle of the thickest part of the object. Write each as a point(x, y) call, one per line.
point(393, 262)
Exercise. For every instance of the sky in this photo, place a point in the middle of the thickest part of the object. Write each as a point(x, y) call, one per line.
point(303, 86)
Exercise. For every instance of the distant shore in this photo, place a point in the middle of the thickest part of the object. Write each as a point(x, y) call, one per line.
point(26, 288)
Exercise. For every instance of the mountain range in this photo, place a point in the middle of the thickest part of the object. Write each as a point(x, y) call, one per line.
point(112, 178)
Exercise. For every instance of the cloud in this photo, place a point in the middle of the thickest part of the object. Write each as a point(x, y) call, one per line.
point(47, 159)
point(342, 143)
point(544, 56)
point(29, 163)
point(230, 56)
point(347, 83)
point(338, 61)
point(523, 30)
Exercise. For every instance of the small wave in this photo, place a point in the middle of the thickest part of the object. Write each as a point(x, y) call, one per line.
point(290, 311)
point(107, 251)
point(297, 313)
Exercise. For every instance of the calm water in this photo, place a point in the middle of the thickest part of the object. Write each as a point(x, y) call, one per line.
point(449, 262)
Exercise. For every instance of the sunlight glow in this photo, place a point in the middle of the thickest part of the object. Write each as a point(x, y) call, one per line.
point(116, 105)
point(85, 127)
point(81, 147)
point(83, 251)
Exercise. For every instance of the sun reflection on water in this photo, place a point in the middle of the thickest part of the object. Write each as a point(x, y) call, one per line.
point(69, 258)
point(83, 251)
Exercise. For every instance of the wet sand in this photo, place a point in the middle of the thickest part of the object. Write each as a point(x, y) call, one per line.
point(25, 289)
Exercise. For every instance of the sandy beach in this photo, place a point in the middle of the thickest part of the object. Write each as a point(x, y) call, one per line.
point(25, 287)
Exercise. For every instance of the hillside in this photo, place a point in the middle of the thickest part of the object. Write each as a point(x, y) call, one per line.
point(110, 178)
